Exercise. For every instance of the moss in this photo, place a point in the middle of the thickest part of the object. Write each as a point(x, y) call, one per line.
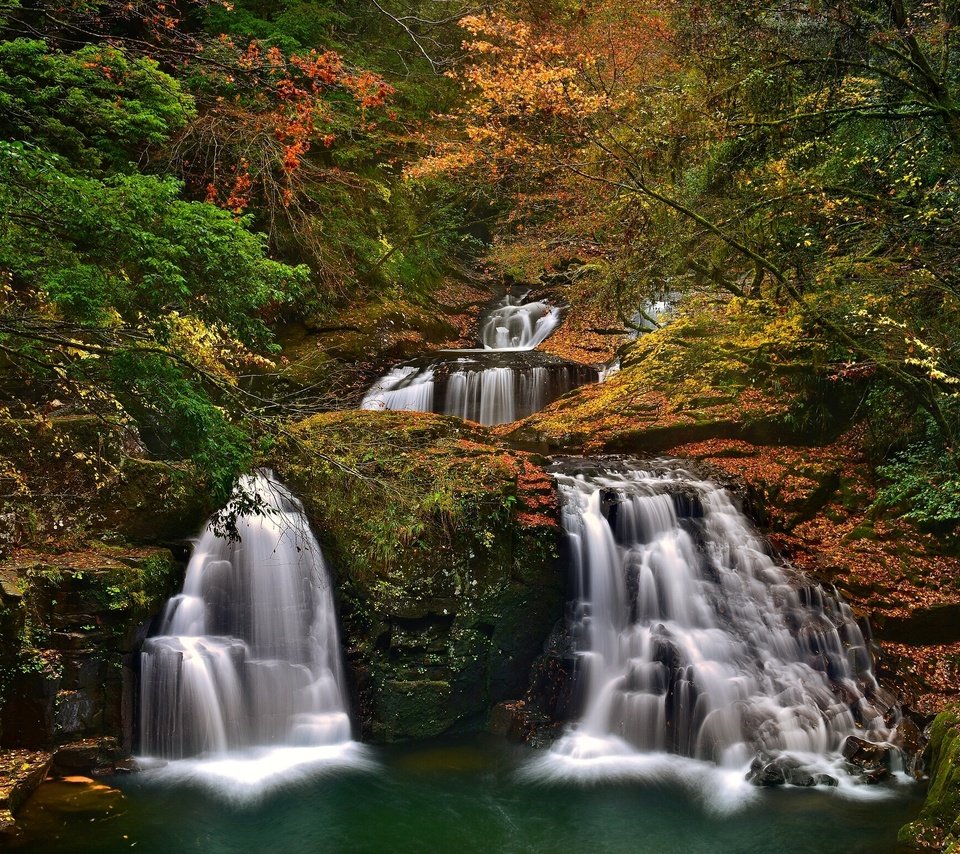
point(715, 371)
point(155, 502)
point(938, 827)
point(443, 544)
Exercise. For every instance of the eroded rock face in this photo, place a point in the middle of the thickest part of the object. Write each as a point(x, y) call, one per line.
point(72, 625)
point(443, 546)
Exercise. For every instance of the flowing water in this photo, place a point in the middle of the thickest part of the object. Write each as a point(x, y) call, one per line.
point(243, 683)
point(515, 324)
point(490, 387)
point(505, 381)
point(696, 650)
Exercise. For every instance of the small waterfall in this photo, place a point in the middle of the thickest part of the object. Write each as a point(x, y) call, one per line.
point(407, 387)
point(489, 387)
point(505, 381)
point(245, 671)
point(692, 642)
point(517, 325)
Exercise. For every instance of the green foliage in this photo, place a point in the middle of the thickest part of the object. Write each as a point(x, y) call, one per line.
point(179, 418)
point(923, 484)
point(95, 106)
point(129, 245)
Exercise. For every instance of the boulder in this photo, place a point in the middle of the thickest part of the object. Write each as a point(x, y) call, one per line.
point(443, 545)
point(868, 755)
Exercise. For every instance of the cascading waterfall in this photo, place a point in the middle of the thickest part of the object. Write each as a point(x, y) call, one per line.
point(692, 642)
point(405, 388)
point(504, 382)
point(490, 388)
point(517, 325)
point(245, 671)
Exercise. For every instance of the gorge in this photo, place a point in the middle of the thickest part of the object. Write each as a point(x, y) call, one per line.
point(698, 669)
point(439, 426)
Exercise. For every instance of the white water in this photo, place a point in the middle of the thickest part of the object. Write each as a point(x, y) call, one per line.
point(245, 673)
point(406, 388)
point(466, 383)
point(517, 325)
point(692, 641)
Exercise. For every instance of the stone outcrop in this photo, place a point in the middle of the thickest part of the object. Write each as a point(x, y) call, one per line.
point(443, 546)
point(72, 625)
point(21, 771)
point(938, 826)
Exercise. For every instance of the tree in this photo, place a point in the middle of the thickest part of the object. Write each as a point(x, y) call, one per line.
point(801, 158)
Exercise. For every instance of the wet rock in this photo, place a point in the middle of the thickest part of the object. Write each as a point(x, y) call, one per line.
point(771, 771)
point(82, 757)
point(910, 741)
point(766, 772)
point(873, 776)
point(866, 754)
point(939, 820)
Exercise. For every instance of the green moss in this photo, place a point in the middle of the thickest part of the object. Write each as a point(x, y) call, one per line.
point(727, 370)
point(443, 544)
point(938, 827)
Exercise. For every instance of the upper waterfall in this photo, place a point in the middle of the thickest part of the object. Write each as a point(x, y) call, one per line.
point(693, 641)
point(513, 324)
point(503, 382)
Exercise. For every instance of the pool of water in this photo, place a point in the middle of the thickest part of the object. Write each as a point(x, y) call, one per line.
point(462, 796)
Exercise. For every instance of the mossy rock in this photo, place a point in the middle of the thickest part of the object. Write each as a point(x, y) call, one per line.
point(155, 502)
point(71, 625)
point(938, 826)
point(444, 549)
point(714, 372)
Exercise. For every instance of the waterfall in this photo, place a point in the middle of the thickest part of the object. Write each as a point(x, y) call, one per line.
point(505, 381)
point(692, 642)
point(245, 671)
point(407, 387)
point(484, 386)
point(517, 325)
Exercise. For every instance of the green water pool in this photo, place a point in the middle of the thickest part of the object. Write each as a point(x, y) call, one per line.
point(455, 796)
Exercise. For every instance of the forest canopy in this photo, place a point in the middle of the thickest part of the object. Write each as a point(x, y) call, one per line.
point(181, 180)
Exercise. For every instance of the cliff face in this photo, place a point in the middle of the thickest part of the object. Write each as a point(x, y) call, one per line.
point(443, 546)
point(72, 624)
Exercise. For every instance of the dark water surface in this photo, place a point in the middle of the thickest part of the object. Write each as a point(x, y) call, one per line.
point(461, 796)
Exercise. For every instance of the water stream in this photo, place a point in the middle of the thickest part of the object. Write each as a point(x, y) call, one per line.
point(697, 652)
point(504, 381)
point(698, 656)
point(242, 685)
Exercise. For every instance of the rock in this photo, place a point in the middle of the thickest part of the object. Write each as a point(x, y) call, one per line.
point(67, 639)
point(771, 771)
point(866, 754)
point(872, 776)
point(21, 772)
point(85, 756)
point(444, 559)
point(939, 821)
